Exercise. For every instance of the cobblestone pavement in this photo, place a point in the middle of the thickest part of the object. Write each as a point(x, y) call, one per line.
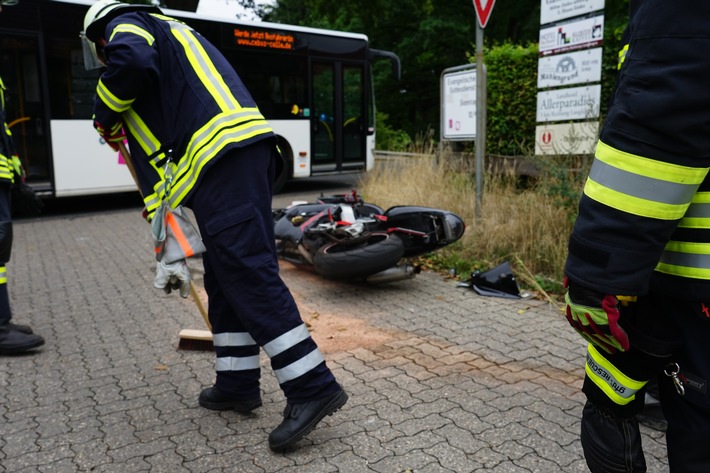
point(442, 381)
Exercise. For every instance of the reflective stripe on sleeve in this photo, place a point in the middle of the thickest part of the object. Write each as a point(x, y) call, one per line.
point(616, 385)
point(137, 30)
point(641, 186)
point(140, 131)
point(111, 101)
point(3, 274)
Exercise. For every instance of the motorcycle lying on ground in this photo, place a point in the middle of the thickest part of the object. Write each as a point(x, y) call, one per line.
point(341, 237)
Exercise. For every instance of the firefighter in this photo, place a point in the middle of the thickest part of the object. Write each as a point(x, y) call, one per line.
point(638, 267)
point(198, 139)
point(14, 338)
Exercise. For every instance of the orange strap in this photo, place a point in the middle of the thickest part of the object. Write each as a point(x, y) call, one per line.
point(179, 235)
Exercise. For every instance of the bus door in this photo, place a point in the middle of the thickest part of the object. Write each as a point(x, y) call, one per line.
point(339, 117)
point(26, 107)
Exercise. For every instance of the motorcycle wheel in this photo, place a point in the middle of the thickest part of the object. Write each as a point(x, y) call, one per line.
point(375, 253)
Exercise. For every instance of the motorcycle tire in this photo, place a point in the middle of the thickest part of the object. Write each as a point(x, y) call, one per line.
point(375, 253)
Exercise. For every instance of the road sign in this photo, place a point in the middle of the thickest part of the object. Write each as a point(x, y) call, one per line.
point(483, 11)
point(458, 104)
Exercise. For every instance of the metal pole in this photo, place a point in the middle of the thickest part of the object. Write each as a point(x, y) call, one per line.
point(480, 118)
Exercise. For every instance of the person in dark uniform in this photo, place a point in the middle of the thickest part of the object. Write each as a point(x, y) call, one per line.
point(198, 139)
point(638, 268)
point(14, 338)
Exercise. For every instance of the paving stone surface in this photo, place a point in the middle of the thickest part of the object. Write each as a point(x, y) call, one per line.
point(440, 379)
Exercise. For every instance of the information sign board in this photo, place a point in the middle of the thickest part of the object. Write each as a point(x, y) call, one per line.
point(458, 105)
point(575, 103)
point(579, 34)
point(575, 67)
point(557, 10)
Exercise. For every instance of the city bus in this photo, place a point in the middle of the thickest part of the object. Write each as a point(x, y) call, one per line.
point(313, 85)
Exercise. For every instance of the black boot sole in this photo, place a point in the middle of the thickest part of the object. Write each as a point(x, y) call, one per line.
point(19, 349)
point(336, 403)
point(243, 407)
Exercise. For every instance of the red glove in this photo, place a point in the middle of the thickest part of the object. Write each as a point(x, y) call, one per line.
point(595, 317)
point(113, 135)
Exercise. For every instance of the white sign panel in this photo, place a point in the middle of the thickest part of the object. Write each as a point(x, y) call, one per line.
point(578, 67)
point(458, 105)
point(566, 138)
point(557, 10)
point(575, 103)
point(584, 33)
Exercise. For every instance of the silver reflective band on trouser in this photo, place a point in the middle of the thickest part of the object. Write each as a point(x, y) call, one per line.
point(236, 363)
point(232, 339)
point(88, 48)
point(300, 367)
point(287, 340)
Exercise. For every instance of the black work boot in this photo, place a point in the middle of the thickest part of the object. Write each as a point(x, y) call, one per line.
point(20, 328)
point(13, 341)
point(611, 444)
point(217, 400)
point(300, 419)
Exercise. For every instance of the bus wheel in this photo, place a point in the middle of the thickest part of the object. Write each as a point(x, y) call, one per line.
point(282, 173)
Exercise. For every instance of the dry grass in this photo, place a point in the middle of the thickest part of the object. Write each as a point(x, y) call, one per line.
point(525, 227)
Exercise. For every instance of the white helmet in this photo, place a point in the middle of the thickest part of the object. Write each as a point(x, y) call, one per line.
point(95, 22)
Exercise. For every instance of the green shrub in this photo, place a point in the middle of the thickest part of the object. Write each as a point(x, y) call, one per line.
point(512, 98)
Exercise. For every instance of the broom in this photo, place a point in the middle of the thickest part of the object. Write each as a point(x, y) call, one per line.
point(189, 339)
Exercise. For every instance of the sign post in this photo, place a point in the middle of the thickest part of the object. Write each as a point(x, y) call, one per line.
point(483, 14)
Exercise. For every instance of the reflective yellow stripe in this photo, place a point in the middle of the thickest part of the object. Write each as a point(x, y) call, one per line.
point(649, 167)
point(189, 167)
point(5, 169)
point(3, 275)
point(616, 385)
point(128, 28)
point(140, 131)
point(622, 55)
point(698, 214)
point(111, 101)
point(642, 186)
point(686, 259)
point(632, 205)
point(152, 202)
point(204, 67)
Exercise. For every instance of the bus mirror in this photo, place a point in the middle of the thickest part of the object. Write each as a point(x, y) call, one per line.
point(396, 64)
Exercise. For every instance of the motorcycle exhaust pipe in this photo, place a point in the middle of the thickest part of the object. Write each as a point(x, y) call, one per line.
point(395, 273)
point(304, 254)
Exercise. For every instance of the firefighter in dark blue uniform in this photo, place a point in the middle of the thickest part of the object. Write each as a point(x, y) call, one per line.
point(14, 338)
point(638, 269)
point(198, 139)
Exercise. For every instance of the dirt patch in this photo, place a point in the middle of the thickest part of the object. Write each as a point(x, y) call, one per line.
point(339, 333)
point(333, 333)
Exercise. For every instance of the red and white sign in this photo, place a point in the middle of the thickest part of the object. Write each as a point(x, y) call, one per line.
point(483, 11)
point(566, 138)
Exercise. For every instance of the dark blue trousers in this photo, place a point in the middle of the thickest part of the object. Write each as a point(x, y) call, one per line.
point(250, 307)
point(5, 216)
